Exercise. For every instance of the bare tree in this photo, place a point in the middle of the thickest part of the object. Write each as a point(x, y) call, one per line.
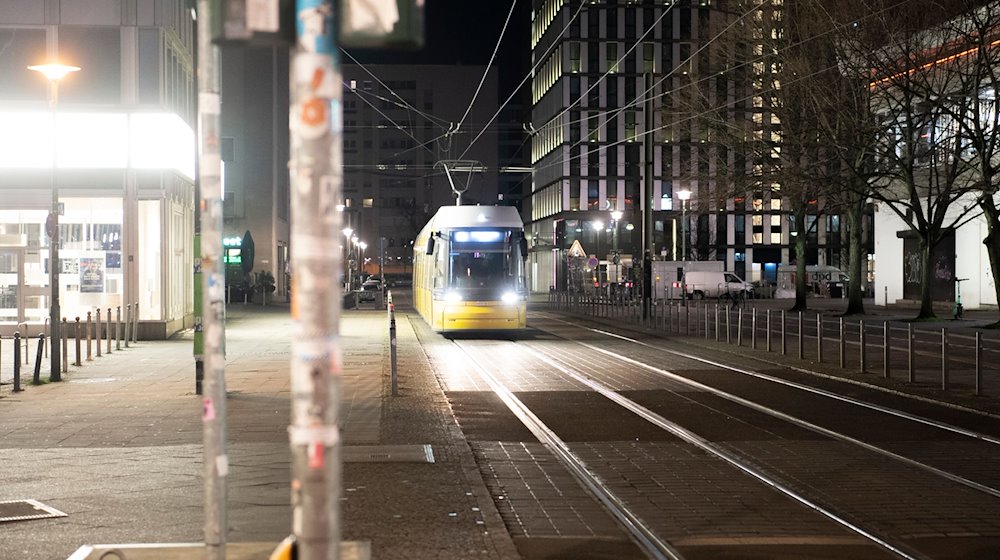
point(920, 151)
point(975, 107)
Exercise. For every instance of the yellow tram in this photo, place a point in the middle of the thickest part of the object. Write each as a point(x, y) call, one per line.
point(468, 269)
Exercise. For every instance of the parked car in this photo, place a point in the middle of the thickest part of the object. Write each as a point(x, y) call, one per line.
point(370, 291)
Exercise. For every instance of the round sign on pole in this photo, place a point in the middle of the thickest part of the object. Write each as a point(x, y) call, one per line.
point(592, 261)
point(50, 225)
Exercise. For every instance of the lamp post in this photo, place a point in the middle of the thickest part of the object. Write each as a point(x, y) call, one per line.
point(361, 258)
point(354, 253)
point(684, 195)
point(598, 226)
point(54, 73)
point(347, 254)
point(616, 216)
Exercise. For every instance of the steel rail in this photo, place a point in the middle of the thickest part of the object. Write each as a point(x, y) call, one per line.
point(644, 537)
point(723, 454)
point(791, 419)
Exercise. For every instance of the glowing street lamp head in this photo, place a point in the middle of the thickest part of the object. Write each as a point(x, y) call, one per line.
point(684, 194)
point(597, 225)
point(617, 215)
point(54, 72)
point(347, 232)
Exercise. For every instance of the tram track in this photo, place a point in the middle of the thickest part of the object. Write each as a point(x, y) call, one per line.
point(642, 532)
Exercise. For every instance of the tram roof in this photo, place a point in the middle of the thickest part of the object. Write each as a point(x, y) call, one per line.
point(476, 216)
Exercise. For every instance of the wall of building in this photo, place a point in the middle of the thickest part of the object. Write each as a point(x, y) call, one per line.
point(120, 153)
point(970, 260)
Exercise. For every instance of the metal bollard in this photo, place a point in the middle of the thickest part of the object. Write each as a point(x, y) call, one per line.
point(37, 374)
point(392, 352)
point(90, 356)
point(65, 345)
point(107, 331)
point(704, 310)
point(911, 374)
point(886, 349)
point(944, 359)
point(979, 363)
point(819, 338)
point(739, 327)
point(135, 319)
point(717, 322)
point(17, 362)
point(128, 321)
point(729, 339)
point(753, 328)
point(767, 315)
point(77, 334)
point(861, 339)
point(118, 328)
point(801, 337)
point(784, 343)
point(843, 345)
point(97, 331)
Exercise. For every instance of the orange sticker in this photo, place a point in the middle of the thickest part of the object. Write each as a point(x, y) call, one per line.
point(317, 79)
point(316, 454)
point(313, 112)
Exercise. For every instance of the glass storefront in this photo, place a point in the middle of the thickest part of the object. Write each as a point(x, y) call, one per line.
point(90, 260)
point(90, 255)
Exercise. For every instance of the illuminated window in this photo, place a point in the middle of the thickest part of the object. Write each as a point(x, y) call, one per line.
point(368, 202)
point(776, 238)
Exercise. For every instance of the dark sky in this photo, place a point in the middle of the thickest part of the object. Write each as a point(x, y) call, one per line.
point(466, 32)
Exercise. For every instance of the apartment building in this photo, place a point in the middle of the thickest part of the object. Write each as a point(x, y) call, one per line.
point(598, 65)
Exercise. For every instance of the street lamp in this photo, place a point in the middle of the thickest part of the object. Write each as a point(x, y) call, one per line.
point(347, 256)
point(361, 258)
point(616, 216)
point(54, 73)
point(684, 196)
point(354, 252)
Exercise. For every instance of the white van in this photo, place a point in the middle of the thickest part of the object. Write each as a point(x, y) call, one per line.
point(713, 283)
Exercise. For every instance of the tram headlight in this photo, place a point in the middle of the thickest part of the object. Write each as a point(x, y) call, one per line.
point(509, 297)
point(452, 297)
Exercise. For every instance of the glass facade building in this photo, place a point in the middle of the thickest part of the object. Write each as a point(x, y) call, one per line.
point(117, 144)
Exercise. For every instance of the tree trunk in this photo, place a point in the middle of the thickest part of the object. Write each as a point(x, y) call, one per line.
point(926, 272)
point(856, 258)
point(800, 261)
point(992, 243)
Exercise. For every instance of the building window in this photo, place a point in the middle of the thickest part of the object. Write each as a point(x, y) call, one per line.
point(648, 60)
point(99, 51)
point(574, 57)
point(593, 126)
point(612, 57)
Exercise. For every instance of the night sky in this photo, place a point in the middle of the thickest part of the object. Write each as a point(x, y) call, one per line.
point(466, 32)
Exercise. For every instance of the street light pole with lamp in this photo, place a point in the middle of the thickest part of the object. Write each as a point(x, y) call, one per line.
point(598, 226)
point(616, 217)
point(347, 257)
point(684, 196)
point(54, 73)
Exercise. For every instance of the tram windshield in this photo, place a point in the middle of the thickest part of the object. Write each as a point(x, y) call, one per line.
point(484, 262)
